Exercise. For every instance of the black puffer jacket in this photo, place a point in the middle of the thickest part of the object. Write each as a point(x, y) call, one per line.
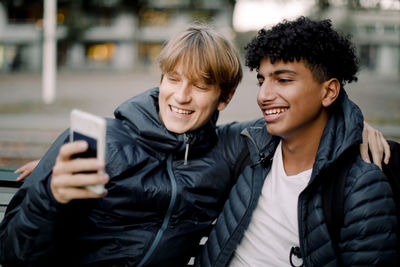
point(156, 209)
point(368, 235)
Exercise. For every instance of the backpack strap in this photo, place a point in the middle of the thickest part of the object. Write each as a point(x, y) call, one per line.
point(333, 195)
point(392, 172)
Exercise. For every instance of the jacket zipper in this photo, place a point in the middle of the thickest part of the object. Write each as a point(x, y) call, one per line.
point(167, 217)
point(186, 137)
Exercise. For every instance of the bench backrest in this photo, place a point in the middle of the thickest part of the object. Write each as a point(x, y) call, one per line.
point(8, 187)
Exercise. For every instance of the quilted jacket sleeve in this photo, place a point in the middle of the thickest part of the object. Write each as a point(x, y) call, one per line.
point(368, 236)
point(230, 142)
point(26, 231)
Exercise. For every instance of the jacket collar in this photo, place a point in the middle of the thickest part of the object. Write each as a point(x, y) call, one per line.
point(140, 115)
point(343, 130)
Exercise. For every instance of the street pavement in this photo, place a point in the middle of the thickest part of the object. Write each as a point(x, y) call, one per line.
point(27, 126)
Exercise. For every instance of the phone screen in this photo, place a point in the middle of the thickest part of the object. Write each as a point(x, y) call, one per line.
point(92, 149)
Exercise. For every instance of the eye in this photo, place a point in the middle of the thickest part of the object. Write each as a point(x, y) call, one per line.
point(172, 78)
point(284, 80)
point(260, 82)
point(200, 86)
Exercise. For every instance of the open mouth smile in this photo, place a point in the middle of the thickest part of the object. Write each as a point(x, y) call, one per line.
point(180, 111)
point(275, 111)
point(273, 114)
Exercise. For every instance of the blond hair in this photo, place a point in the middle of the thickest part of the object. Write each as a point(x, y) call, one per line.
point(206, 55)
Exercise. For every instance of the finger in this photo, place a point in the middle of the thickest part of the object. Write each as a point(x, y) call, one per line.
point(24, 168)
point(68, 187)
point(364, 147)
point(78, 165)
point(69, 149)
point(364, 152)
point(79, 180)
point(19, 170)
point(31, 165)
point(22, 176)
point(376, 149)
point(386, 148)
point(66, 194)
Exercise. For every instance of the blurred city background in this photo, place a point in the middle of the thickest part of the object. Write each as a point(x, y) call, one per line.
point(104, 51)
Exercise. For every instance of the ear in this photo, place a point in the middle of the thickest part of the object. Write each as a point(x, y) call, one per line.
point(330, 92)
point(223, 104)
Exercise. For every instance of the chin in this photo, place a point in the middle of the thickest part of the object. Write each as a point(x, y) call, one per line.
point(273, 131)
point(176, 129)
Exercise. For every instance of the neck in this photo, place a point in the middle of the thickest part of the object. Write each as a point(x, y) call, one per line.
point(300, 149)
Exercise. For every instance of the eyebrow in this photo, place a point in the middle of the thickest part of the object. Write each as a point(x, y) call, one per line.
point(194, 80)
point(277, 72)
point(173, 73)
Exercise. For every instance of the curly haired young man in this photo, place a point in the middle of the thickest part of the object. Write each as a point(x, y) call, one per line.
point(276, 204)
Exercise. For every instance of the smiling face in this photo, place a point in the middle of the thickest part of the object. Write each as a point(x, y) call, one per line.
point(291, 99)
point(186, 104)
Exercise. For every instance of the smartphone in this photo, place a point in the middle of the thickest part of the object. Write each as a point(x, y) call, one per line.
point(92, 129)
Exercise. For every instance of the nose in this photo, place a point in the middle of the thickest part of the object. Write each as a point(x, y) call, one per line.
point(183, 93)
point(266, 93)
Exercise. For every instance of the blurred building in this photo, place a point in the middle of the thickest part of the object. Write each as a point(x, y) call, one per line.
point(102, 34)
point(376, 33)
point(125, 34)
point(377, 36)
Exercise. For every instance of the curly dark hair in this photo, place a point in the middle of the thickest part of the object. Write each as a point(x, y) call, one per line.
point(323, 50)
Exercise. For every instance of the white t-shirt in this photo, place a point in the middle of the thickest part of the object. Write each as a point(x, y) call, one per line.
point(273, 229)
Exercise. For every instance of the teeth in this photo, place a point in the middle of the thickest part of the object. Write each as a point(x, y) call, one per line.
point(180, 111)
point(275, 111)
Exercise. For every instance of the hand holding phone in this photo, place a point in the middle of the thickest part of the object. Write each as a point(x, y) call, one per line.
point(92, 129)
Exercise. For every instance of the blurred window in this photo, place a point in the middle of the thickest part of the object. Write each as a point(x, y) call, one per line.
point(100, 52)
point(389, 29)
point(368, 56)
point(169, 3)
point(370, 28)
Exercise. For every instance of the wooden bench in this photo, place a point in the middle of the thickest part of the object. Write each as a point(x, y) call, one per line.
point(8, 187)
